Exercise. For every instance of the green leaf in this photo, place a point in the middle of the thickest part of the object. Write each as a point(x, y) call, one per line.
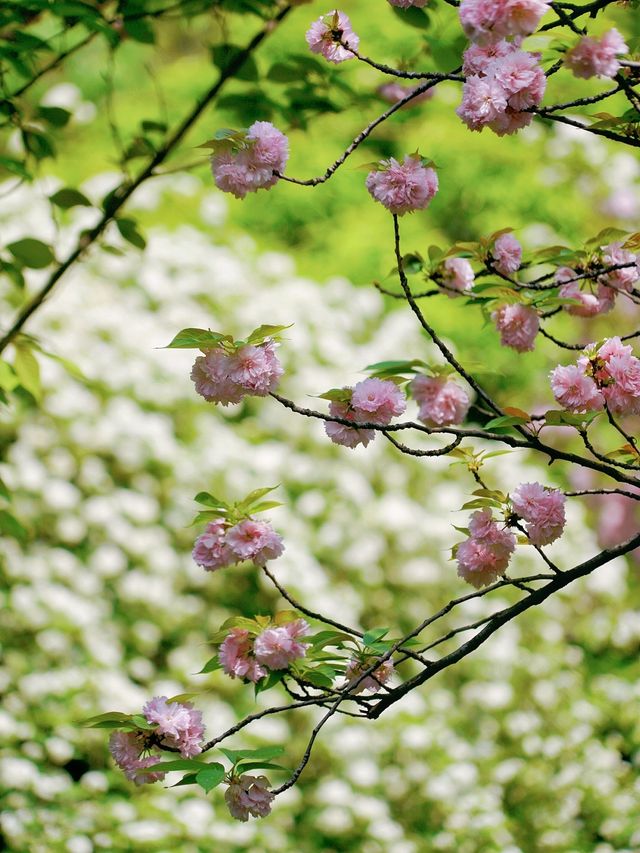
point(27, 370)
point(32, 253)
point(108, 717)
point(413, 16)
point(340, 395)
point(68, 197)
point(260, 765)
point(197, 339)
point(227, 55)
point(189, 779)
point(270, 681)
point(374, 635)
point(558, 417)
point(211, 665)
point(140, 30)
point(180, 764)
point(15, 167)
point(210, 776)
point(55, 116)
point(10, 525)
point(206, 499)
point(263, 506)
point(263, 752)
point(266, 331)
point(255, 495)
point(505, 421)
point(128, 228)
point(8, 378)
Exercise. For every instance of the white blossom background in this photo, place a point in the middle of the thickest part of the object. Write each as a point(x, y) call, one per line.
point(532, 744)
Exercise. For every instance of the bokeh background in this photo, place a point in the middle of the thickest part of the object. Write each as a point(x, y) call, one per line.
point(533, 743)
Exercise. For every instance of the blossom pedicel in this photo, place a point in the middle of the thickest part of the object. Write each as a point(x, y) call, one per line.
point(245, 163)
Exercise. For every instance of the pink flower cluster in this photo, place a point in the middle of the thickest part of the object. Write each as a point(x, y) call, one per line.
point(373, 682)
point(609, 375)
point(593, 57)
point(502, 81)
point(590, 304)
point(374, 401)
point(457, 276)
point(518, 326)
point(487, 21)
point(442, 401)
point(222, 545)
point(484, 556)
point(249, 166)
point(325, 34)
point(126, 749)
point(249, 795)
point(624, 278)
point(506, 254)
point(225, 378)
point(243, 656)
point(542, 509)
point(403, 187)
point(179, 724)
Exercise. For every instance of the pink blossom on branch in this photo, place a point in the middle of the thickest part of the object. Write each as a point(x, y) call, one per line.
point(542, 509)
point(485, 555)
point(403, 187)
point(377, 401)
point(249, 795)
point(225, 378)
point(277, 647)
point(487, 21)
point(574, 390)
point(589, 304)
point(254, 540)
point(126, 749)
point(457, 275)
point(373, 682)
point(246, 162)
point(592, 57)
point(210, 550)
point(518, 326)
point(507, 254)
point(624, 278)
point(442, 401)
point(344, 435)
point(236, 656)
point(325, 34)
point(178, 722)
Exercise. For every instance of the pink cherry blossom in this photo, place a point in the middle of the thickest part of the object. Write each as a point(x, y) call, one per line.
point(507, 254)
point(210, 550)
point(126, 749)
point(574, 390)
point(377, 401)
point(624, 278)
point(486, 21)
point(457, 275)
point(518, 326)
point(623, 394)
point(249, 795)
point(247, 165)
point(592, 57)
point(179, 723)
point(483, 101)
point(404, 4)
point(236, 656)
point(589, 305)
point(442, 401)
point(254, 540)
point(256, 369)
point(344, 435)
point(210, 374)
point(277, 647)
point(372, 682)
point(477, 59)
point(403, 187)
point(542, 509)
point(324, 35)
point(485, 555)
